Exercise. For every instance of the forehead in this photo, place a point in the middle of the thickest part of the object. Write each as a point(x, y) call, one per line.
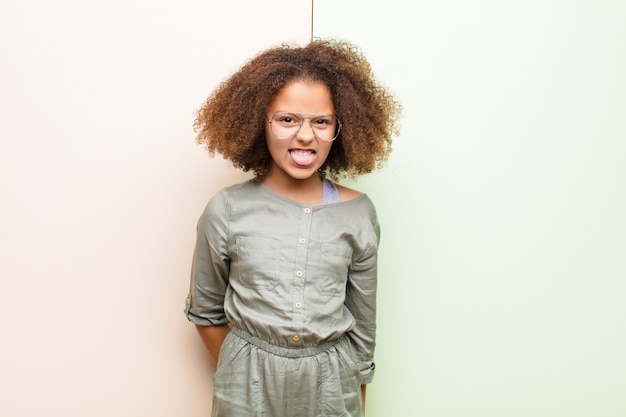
point(303, 97)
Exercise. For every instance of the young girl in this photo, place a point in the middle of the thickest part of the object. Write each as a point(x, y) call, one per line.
point(283, 283)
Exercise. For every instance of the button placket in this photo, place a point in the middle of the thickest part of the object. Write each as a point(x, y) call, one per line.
point(297, 293)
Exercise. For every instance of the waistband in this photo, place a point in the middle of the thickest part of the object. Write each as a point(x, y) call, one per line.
point(287, 352)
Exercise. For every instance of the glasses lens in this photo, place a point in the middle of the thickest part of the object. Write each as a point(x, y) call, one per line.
point(325, 127)
point(285, 125)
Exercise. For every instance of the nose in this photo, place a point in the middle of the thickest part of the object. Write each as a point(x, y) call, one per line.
point(306, 133)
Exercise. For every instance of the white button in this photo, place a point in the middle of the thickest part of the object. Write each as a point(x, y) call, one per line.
point(299, 274)
point(296, 338)
point(307, 210)
point(298, 305)
point(302, 240)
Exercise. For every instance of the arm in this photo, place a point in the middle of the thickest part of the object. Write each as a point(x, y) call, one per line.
point(209, 276)
point(213, 337)
point(361, 301)
point(363, 389)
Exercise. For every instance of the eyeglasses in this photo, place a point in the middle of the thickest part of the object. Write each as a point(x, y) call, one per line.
point(285, 125)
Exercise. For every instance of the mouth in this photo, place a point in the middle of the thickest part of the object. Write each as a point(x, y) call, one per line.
point(302, 157)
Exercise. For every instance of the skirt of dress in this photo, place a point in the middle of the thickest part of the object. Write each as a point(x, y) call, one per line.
point(255, 378)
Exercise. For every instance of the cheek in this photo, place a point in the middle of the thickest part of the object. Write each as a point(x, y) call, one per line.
point(274, 147)
point(328, 147)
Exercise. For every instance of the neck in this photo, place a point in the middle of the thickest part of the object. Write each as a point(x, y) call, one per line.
point(305, 191)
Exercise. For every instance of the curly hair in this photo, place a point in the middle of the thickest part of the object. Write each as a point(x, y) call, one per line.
point(231, 122)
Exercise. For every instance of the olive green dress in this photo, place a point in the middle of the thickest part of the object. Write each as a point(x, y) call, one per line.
point(297, 283)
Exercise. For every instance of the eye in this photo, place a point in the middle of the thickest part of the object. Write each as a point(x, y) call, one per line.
point(323, 122)
point(287, 119)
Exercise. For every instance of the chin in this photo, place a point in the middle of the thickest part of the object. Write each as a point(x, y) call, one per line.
point(302, 174)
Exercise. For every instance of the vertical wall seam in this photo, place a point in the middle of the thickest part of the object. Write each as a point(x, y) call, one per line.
point(312, 17)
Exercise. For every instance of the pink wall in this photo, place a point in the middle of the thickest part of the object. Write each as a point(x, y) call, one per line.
point(101, 185)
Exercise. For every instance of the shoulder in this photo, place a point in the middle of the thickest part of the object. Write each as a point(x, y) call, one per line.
point(347, 194)
point(360, 207)
point(221, 202)
point(236, 191)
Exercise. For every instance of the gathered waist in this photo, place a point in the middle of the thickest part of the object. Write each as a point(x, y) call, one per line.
point(288, 352)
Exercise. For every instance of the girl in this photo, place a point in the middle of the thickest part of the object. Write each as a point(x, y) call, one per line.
point(283, 282)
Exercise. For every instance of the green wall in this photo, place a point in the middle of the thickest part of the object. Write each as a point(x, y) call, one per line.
point(503, 267)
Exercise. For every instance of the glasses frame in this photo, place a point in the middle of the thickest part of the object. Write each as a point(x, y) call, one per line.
point(303, 117)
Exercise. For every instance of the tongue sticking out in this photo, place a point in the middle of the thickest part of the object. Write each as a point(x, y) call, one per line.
point(302, 158)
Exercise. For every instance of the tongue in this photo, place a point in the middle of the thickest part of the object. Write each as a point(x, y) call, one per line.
point(302, 158)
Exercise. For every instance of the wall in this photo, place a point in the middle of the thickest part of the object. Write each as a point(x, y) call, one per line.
point(503, 275)
point(101, 185)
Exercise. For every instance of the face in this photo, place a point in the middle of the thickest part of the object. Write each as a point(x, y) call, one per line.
point(300, 156)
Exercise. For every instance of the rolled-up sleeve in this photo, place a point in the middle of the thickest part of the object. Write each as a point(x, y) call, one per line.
point(210, 266)
point(361, 301)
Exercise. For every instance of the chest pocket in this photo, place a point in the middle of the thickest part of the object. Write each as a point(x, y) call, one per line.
point(258, 262)
point(334, 263)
